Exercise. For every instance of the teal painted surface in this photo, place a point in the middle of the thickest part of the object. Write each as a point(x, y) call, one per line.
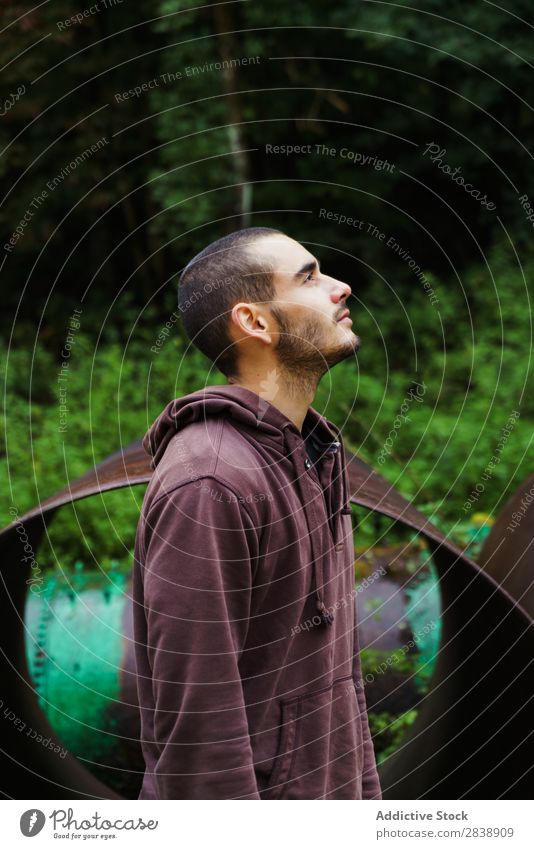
point(74, 646)
point(423, 612)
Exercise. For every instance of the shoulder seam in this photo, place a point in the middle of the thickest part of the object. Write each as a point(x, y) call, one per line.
point(218, 441)
point(217, 478)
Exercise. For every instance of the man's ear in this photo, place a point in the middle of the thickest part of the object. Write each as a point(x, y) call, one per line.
point(248, 323)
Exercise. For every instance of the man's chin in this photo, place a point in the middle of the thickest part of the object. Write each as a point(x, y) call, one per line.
point(350, 334)
point(343, 352)
point(352, 341)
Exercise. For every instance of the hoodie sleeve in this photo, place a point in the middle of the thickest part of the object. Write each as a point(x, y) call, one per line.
point(370, 782)
point(201, 546)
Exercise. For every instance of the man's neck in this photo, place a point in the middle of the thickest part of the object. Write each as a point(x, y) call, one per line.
point(290, 394)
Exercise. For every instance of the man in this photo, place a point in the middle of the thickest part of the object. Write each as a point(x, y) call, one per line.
point(247, 649)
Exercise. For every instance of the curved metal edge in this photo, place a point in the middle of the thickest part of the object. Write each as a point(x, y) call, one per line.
point(27, 765)
point(508, 552)
point(472, 737)
point(473, 601)
point(371, 490)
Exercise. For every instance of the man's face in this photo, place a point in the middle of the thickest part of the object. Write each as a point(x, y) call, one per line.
point(311, 331)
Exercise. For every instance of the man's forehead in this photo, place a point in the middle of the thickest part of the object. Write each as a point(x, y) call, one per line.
point(284, 253)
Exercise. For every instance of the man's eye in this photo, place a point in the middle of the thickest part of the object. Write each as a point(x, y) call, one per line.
point(308, 277)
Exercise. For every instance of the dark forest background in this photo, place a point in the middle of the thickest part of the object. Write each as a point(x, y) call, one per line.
point(141, 181)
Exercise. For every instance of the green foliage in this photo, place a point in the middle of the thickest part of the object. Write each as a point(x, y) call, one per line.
point(473, 383)
point(380, 80)
point(113, 395)
point(400, 661)
point(438, 456)
point(88, 231)
point(186, 160)
point(388, 731)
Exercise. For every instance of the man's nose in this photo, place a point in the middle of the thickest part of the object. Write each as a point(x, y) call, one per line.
point(340, 290)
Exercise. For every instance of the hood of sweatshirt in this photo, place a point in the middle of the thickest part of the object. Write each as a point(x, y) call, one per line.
point(259, 420)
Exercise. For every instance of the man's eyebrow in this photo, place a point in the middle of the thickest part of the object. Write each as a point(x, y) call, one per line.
point(308, 266)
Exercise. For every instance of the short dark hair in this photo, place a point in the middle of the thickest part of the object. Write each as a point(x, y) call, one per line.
point(221, 275)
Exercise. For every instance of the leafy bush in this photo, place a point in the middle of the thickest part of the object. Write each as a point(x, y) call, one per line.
point(117, 386)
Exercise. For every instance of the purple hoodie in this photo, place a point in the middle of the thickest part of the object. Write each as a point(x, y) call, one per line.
point(247, 648)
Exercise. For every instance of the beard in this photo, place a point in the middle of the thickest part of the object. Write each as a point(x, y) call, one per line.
point(304, 349)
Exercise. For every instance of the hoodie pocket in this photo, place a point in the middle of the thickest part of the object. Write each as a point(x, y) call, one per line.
point(320, 747)
point(345, 533)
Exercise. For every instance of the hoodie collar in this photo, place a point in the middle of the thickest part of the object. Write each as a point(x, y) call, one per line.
point(241, 405)
point(269, 425)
